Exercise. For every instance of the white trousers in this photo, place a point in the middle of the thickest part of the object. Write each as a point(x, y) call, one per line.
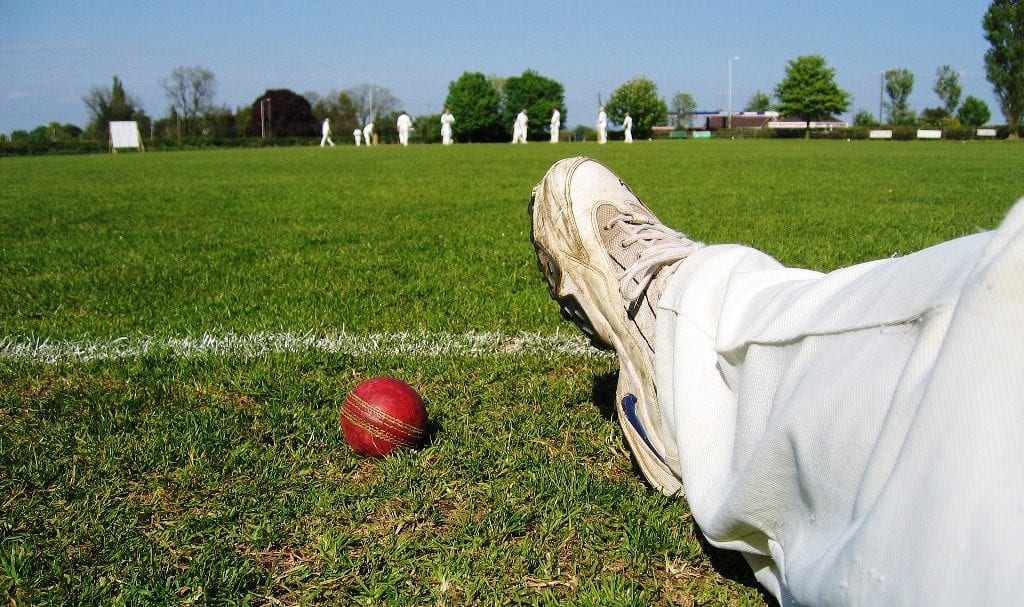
point(858, 435)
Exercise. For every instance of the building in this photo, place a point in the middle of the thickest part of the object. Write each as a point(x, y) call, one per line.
point(718, 119)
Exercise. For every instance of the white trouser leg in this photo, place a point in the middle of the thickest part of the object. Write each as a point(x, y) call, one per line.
point(859, 435)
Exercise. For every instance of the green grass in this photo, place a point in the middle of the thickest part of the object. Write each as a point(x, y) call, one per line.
point(222, 477)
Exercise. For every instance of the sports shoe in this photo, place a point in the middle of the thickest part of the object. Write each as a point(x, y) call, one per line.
point(607, 259)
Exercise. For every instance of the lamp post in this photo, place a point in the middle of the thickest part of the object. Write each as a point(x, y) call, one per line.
point(728, 118)
point(881, 88)
point(371, 118)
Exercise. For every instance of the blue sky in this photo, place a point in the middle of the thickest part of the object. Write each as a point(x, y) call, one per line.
point(53, 53)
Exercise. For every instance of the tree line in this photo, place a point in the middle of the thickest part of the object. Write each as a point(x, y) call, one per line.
point(809, 78)
point(485, 106)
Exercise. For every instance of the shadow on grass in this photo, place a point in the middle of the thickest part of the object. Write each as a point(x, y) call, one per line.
point(435, 428)
point(603, 395)
point(728, 563)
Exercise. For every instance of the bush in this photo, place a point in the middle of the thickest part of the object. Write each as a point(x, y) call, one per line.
point(959, 133)
point(583, 132)
point(33, 148)
point(788, 133)
point(903, 132)
point(853, 132)
point(748, 133)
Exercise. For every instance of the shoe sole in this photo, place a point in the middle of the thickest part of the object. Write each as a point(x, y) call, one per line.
point(570, 307)
point(655, 470)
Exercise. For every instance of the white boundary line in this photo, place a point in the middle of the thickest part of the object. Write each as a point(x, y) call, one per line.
point(417, 344)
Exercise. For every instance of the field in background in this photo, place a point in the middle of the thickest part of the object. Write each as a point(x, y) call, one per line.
point(136, 469)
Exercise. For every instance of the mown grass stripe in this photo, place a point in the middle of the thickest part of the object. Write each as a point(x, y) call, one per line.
point(413, 344)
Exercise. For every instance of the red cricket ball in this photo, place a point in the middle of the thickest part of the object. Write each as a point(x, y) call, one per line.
point(383, 414)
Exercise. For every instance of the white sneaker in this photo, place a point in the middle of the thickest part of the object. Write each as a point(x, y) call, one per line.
point(607, 259)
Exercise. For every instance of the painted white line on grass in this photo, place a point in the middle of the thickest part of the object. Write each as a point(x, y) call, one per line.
point(419, 344)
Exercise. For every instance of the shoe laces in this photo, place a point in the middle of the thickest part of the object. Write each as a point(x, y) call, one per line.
point(662, 247)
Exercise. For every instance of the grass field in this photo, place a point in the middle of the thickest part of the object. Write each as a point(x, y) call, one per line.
point(178, 330)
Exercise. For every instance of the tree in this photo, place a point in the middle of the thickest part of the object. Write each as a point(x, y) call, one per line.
point(476, 105)
point(538, 95)
point(809, 90)
point(639, 97)
point(313, 98)
point(386, 128)
point(340, 107)
point(190, 90)
point(938, 117)
point(864, 118)
point(685, 105)
point(947, 87)
point(72, 131)
point(974, 112)
point(42, 134)
point(51, 132)
point(219, 122)
point(372, 101)
point(166, 127)
point(282, 113)
point(243, 116)
point(106, 105)
point(898, 84)
point(759, 102)
point(582, 132)
point(1004, 61)
point(427, 128)
point(498, 82)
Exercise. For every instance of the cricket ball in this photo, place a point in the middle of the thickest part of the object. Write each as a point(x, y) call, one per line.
point(383, 414)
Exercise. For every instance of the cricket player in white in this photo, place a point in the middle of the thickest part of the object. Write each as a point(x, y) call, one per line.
point(326, 129)
point(857, 435)
point(519, 128)
point(446, 126)
point(556, 124)
point(368, 134)
point(627, 127)
point(602, 125)
point(404, 123)
point(358, 136)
